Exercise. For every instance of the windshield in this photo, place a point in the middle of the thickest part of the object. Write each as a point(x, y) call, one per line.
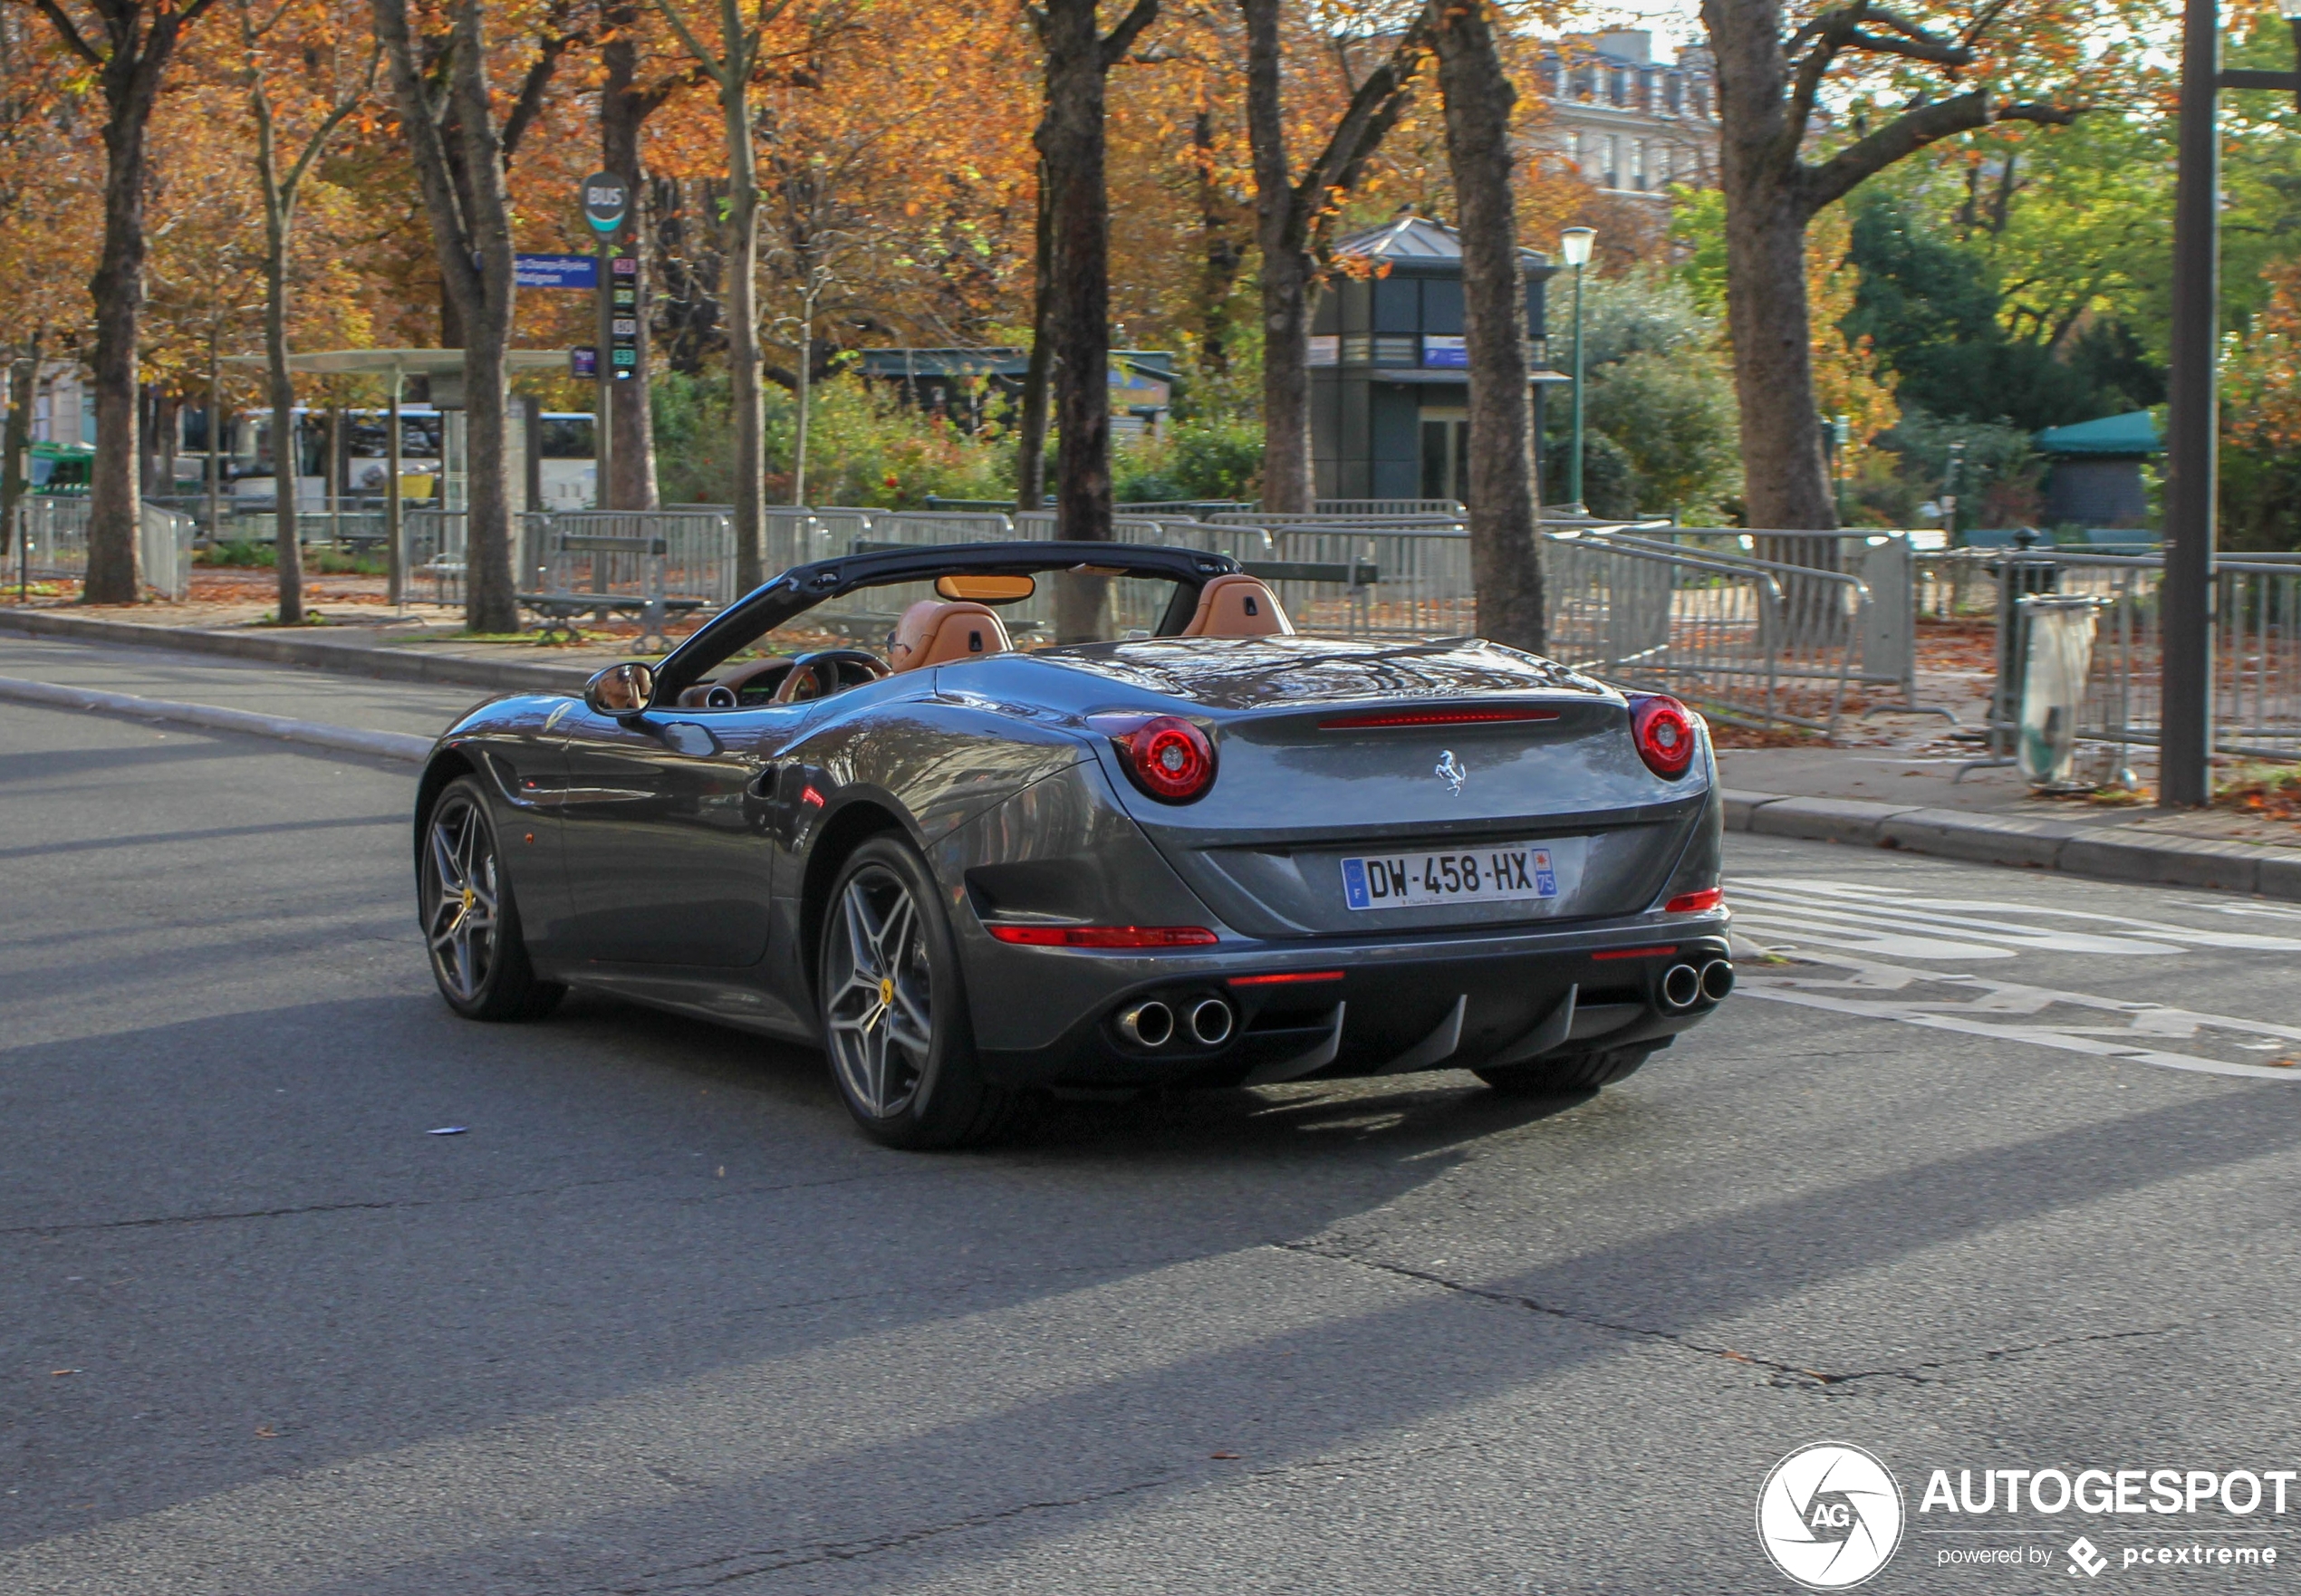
point(866, 617)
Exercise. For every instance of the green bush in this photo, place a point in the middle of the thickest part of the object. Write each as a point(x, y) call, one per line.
point(1207, 457)
point(864, 447)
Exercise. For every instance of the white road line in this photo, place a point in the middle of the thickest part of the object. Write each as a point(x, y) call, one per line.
point(1895, 923)
point(1990, 1012)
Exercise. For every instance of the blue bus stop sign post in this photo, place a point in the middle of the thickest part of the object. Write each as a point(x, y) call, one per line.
point(607, 199)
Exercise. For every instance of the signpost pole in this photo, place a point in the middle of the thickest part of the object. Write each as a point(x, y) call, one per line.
point(606, 198)
point(395, 564)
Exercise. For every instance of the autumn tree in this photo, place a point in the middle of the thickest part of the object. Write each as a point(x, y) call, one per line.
point(447, 116)
point(1771, 80)
point(1505, 554)
point(306, 72)
point(47, 182)
point(1071, 143)
point(729, 64)
point(130, 44)
point(1295, 217)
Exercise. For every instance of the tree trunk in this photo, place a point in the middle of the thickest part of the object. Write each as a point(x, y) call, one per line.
point(1070, 141)
point(280, 383)
point(741, 288)
point(164, 414)
point(115, 556)
point(23, 378)
point(142, 42)
point(1287, 273)
point(1030, 444)
point(623, 110)
point(465, 201)
point(1293, 219)
point(1784, 484)
point(1220, 258)
point(1505, 554)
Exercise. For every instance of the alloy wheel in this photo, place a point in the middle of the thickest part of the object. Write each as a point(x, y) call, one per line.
point(881, 1021)
point(463, 919)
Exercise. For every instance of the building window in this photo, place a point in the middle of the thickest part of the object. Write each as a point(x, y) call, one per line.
point(1612, 176)
point(1674, 94)
point(1573, 148)
point(1637, 163)
point(1661, 165)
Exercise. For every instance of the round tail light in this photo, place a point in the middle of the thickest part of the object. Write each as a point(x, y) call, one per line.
point(1664, 732)
point(1171, 758)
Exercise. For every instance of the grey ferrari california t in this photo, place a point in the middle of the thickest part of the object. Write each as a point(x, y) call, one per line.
point(974, 860)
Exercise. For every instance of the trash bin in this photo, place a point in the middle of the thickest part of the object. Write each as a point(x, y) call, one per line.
point(2059, 629)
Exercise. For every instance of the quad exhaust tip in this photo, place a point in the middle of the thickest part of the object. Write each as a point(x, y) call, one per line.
point(1210, 1022)
point(1148, 1024)
point(1681, 986)
point(1718, 980)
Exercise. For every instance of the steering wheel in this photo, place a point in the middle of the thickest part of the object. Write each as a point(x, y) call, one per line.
point(816, 675)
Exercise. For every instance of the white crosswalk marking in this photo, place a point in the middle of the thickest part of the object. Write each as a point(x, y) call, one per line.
point(1890, 922)
point(2007, 1010)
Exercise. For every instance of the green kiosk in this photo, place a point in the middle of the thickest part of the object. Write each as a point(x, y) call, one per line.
point(1388, 391)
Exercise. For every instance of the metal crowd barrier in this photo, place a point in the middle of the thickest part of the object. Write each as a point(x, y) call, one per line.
point(51, 544)
point(1757, 640)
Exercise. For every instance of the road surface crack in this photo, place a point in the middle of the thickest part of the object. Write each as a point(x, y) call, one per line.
point(398, 1204)
point(1793, 1375)
point(722, 1570)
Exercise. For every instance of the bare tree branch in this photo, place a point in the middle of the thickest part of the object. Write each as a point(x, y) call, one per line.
point(1912, 131)
point(1120, 39)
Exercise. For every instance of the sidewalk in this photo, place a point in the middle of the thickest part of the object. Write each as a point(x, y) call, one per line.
point(1902, 791)
point(359, 636)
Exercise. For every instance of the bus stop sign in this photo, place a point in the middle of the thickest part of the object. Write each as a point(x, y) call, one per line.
point(606, 198)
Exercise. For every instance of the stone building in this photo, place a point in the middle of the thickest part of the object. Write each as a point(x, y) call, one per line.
point(1630, 123)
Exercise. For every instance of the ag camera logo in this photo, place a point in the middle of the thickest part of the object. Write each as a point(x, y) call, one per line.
point(1829, 1515)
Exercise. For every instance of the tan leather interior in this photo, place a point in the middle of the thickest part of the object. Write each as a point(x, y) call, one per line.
point(1238, 607)
point(935, 633)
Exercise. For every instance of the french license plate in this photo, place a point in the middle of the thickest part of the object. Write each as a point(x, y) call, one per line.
point(1490, 874)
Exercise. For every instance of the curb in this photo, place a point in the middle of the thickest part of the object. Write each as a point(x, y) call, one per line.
point(347, 658)
point(341, 739)
point(2018, 839)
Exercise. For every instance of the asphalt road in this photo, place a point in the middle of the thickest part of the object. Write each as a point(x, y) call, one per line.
point(1956, 1179)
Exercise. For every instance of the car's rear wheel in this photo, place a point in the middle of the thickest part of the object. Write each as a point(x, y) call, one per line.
point(894, 1010)
point(1584, 1072)
point(470, 919)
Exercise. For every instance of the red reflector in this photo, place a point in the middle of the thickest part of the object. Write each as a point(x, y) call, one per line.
point(809, 796)
point(1385, 718)
point(1285, 978)
point(1709, 898)
point(1635, 953)
point(1104, 935)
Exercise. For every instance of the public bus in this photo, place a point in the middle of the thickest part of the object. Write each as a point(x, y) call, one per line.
point(567, 473)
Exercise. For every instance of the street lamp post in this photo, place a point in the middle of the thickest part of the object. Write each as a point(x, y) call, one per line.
point(1574, 248)
point(2185, 727)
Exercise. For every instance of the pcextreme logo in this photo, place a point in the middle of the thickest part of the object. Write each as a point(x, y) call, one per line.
point(1829, 1515)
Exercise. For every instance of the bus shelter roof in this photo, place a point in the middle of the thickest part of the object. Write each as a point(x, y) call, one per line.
point(405, 362)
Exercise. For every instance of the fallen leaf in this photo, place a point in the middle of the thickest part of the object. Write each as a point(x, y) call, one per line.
point(63, 1371)
point(1222, 1455)
point(264, 1432)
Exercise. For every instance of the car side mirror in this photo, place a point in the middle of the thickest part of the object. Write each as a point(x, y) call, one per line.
point(620, 690)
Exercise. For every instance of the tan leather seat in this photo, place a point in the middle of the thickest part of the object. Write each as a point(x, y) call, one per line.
point(1238, 607)
point(935, 633)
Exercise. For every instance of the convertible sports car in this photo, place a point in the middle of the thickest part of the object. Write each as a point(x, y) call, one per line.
point(1204, 851)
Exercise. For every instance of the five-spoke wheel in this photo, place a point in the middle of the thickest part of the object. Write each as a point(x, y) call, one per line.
point(894, 1014)
point(470, 924)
